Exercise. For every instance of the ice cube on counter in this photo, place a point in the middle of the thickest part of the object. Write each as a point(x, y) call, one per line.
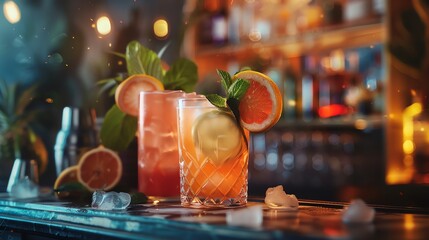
point(245, 217)
point(276, 197)
point(358, 212)
point(24, 188)
point(110, 200)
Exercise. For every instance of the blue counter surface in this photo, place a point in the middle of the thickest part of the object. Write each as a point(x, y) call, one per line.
point(49, 218)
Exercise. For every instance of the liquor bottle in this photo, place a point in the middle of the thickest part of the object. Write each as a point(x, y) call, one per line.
point(205, 25)
point(78, 133)
point(220, 24)
point(289, 94)
point(309, 89)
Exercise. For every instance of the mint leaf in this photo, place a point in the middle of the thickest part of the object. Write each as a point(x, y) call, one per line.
point(238, 88)
point(183, 75)
point(225, 79)
point(118, 129)
point(141, 60)
point(217, 100)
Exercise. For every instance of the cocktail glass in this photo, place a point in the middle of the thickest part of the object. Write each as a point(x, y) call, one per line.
point(158, 157)
point(213, 153)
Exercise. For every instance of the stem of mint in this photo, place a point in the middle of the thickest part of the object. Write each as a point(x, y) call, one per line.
point(235, 90)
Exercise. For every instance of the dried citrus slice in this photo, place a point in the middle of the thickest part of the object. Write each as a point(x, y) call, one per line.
point(66, 176)
point(217, 135)
point(261, 106)
point(99, 168)
point(127, 93)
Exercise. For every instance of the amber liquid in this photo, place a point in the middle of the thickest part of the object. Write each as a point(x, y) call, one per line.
point(206, 183)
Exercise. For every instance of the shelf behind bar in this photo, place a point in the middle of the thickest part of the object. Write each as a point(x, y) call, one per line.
point(348, 35)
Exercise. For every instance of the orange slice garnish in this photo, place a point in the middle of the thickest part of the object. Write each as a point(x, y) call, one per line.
point(261, 106)
point(127, 93)
point(99, 169)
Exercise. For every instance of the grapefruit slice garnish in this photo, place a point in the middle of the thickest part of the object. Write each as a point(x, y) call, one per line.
point(127, 93)
point(261, 106)
point(217, 136)
point(67, 176)
point(99, 169)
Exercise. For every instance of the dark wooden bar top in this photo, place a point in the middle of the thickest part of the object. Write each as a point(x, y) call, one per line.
point(48, 218)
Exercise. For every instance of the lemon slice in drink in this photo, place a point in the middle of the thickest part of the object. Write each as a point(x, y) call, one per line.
point(217, 136)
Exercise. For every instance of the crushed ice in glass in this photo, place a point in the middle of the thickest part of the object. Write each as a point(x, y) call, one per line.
point(110, 200)
point(276, 197)
point(358, 212)
point(24, 188)
point(246, 217)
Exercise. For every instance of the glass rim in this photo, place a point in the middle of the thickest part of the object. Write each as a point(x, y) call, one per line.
point(160, 92)
point(199, 101)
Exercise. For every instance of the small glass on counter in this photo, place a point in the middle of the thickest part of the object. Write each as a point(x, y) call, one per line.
point(213, 151)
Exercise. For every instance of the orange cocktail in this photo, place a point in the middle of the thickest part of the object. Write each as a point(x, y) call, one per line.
point(213, 156)
point(158, 157)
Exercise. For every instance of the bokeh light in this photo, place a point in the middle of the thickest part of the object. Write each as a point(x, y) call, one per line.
point(11, 12)
point(103, 25)
point(160, 28)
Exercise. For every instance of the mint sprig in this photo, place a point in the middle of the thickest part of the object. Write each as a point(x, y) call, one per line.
point(235, 91)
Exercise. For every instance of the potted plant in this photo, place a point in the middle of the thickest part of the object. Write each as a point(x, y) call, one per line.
point(18, 139)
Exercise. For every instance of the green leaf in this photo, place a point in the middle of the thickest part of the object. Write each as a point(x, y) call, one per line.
point(217, 100)
point(238, 88)
point(225, 78)
point(183, 75)
point(118, 129)
point(138, 198)
point(141, 60)
point(71, 186)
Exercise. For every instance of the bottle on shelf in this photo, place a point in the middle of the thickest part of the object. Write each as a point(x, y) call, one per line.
point(309, 89)
point(332, 12)
point(289, 94)
point(220, 24)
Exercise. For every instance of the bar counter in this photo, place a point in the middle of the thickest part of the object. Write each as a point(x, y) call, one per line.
point(49, 218)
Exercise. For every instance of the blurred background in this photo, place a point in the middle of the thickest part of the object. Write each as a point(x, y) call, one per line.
point(352, 75)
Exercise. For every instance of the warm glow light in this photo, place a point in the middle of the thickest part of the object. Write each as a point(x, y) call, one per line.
point(160, 28)
point(361, 124)
point(11, 12)
point(255, 36)
point(409, 222)
point(332, 110)
point(103, 25)
point(337, 60)
point(408, 126)
point(408, 147)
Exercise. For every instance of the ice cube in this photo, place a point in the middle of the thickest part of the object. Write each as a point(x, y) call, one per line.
point(97, 198)
point(25, 188)
point(246, 217)
point(358, 212)
point(125, 200)
point(110, 200)
point(276, 197)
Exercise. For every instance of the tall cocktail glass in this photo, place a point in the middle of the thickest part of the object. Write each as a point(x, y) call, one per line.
point(158, 157)
point(214, 155)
